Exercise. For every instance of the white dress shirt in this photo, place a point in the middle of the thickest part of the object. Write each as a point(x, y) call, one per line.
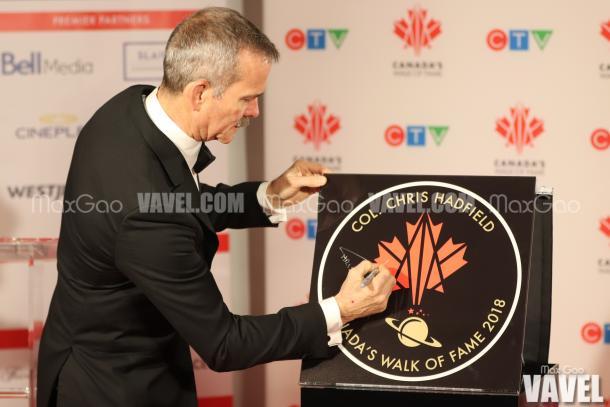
point(189, 148)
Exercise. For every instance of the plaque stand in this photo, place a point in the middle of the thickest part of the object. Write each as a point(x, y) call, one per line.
point(19, 359)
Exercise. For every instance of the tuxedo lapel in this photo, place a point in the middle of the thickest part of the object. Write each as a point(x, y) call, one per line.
point(168, 154)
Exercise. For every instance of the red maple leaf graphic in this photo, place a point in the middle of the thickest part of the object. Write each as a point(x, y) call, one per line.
point(415, 31)
point(606, 30)
point(424, 264)
point(519, 129)
point(317, 127)
point(604, 226)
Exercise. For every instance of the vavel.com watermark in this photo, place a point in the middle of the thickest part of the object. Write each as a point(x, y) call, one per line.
point(562, 385)
point(148, 202)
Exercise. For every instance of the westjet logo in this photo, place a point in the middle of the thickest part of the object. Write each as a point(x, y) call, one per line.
point(562, 388)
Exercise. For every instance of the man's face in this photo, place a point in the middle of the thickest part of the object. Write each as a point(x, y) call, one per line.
point(218, 120)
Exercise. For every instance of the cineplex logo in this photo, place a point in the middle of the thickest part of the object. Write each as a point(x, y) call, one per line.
point(517, 40)
point(317, 126)
point(600, 139)
point(315, 39)
point(520, 128)
point(35, 63)
point(51, 126)
point(414, 136)
point(563, 385)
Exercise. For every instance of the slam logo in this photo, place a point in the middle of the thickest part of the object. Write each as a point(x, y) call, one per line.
point(414, 136)
point(458, 279)
point(143, 60)
point(600, 139)
point(605, 30)
point(520, 128)
point(417, 30)
point(317, 126)
point(315, 39)
point(517, 40)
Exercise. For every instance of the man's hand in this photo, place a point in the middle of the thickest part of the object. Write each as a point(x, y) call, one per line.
point(300, 181)
point(357, 302)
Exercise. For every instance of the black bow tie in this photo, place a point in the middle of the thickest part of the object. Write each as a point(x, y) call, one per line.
point(204, 159)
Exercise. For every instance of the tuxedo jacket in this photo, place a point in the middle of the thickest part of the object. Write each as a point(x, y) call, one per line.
point(134, 286)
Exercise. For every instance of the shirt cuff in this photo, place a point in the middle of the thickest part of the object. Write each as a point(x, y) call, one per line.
point(332, 314)
point(275, 215)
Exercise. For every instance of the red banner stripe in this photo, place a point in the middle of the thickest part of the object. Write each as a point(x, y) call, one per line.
point(223, 242)
point(14, 338)
point(223, 401)
point(92, 20)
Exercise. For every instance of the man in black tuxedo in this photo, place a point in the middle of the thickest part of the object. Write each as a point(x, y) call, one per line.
point(135, 288)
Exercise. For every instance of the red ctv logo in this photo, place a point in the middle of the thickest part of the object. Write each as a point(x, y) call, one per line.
point(606, 30)
point(316, 126)
point(600, 139)
point(417, 31)
point(519, 129)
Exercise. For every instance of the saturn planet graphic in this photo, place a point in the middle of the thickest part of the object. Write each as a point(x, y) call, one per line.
point(412, 332)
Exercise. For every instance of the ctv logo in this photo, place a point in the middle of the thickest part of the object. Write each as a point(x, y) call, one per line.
point(517, 40)
point(600, 139)
point(417, 31)
point(519, 128)
point(315, 39)
point(592, 333)
point(606, 30)
point(34, 64)
point(297, 229)
point(415, 136)
point(317, 126)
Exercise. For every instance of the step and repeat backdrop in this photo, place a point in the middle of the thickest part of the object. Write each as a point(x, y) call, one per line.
point(450, 88)
point(59, 61)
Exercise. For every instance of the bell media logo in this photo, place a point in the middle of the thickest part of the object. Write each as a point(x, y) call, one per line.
point(35, 63)
point(600, 139)
point(315, 39)
point(517, 40)
point(414, 136)
point(417, 30)
point(317, 126)
point(520, 128)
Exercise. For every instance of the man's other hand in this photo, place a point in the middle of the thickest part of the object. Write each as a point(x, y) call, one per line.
point(300, 181)
point(355, 301)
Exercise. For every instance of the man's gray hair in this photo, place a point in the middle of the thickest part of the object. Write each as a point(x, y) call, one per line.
point(206, 46)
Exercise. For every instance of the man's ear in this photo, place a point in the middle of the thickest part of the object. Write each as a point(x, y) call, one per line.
point(197, 93)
